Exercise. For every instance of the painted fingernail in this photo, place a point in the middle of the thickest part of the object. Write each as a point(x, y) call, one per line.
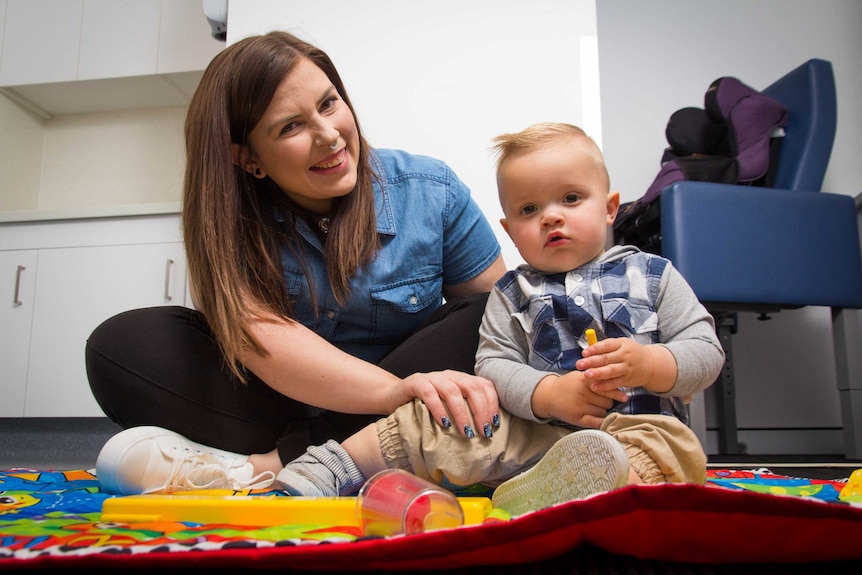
point(487, 430)
point(446, 423)
point(496, 420)
point(468, 431)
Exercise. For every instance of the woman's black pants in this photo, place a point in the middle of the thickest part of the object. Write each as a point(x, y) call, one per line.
point(161, 366)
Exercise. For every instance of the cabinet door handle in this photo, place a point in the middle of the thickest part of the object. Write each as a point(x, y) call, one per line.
point(168, 266)
point(17, 300)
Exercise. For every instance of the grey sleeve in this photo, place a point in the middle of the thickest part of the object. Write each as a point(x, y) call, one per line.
point(688, 331)
point(502, 357)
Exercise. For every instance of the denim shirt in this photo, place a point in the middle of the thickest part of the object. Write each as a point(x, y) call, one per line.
point(432, 234)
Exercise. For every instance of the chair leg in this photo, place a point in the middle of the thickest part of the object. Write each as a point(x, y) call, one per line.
point(697, 418)
point(725, 326)
point(848, 370)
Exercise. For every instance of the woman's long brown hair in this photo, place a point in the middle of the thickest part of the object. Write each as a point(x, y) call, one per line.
point(232, 236)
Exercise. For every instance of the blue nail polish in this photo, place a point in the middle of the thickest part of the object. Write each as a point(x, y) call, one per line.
point(446, 423)
point(468, 431)
point(488, 432)
point(496, 420)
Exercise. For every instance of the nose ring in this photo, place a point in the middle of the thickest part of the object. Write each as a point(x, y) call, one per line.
point(333, 146)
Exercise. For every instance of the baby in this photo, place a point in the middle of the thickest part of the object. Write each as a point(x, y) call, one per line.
point(577, 418)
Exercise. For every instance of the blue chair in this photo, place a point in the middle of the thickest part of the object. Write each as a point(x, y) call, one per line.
point(757, 249)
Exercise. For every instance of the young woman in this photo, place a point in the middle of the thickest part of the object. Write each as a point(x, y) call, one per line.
point(318, 267)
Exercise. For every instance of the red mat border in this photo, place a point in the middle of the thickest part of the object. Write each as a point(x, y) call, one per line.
point(680, 523)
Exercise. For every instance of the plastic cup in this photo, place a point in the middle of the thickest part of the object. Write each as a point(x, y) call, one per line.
point(395, 502)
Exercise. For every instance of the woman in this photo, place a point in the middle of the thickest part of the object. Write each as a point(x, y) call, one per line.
point(318, 266)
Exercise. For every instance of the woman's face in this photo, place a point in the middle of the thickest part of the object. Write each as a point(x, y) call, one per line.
point(294, 140)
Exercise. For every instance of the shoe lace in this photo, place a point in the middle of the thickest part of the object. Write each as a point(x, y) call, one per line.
point(205, 471)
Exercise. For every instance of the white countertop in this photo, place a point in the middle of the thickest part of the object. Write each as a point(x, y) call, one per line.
point(20, 216)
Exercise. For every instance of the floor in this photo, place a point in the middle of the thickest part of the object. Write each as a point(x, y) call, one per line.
point(74, 443)
point(808, 466)
point(53, 443)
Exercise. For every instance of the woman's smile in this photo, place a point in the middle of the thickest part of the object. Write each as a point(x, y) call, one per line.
point(330, 163)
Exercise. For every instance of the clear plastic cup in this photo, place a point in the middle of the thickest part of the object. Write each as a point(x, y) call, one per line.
point(393, 502)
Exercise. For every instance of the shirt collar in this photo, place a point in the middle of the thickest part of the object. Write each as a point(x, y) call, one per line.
point(385, 218)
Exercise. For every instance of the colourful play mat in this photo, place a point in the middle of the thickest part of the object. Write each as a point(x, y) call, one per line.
point(54, 519)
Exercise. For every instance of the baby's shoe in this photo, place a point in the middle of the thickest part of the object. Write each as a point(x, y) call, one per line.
point(322, 471)
point(148, 459)
point(578, 465)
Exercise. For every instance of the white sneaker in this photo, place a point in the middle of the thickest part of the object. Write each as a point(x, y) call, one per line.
point(578, 465)
point(148, 459)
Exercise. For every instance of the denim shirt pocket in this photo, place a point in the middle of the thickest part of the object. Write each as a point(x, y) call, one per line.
point(293, 282)
point(405, 303)
point(634, 319)
point(297, 291)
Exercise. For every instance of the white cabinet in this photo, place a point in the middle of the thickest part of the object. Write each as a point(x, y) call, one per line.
point(185, 37)
point(78, 274)
point(40, 41)
point(81, 56)
point(50, 41)
point(2, 25)
point(119, 39)
point(17, 286)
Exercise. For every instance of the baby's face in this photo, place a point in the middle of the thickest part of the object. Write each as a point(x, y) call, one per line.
point(556, 204)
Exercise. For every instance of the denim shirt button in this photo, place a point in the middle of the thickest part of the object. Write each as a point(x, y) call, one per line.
point(330, 314)
point(413, 300)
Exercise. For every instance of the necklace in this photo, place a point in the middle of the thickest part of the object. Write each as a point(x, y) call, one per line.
point(322, 222)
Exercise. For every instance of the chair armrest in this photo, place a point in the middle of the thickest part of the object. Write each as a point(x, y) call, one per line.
point(749, 245)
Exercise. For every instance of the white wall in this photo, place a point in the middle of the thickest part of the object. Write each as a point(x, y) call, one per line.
point(444, 77)
point(20, 157)
point(71, 161)
point(123, 157)
point(657, 57)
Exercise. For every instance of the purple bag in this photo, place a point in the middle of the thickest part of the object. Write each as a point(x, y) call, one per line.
point(753, 121)
point(734, 139)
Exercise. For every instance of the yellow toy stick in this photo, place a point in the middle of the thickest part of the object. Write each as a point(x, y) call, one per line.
point(258, 511)
point(591, 336)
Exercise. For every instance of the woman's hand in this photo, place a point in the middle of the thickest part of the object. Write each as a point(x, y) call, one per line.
point(305, 367)
point(452, 396)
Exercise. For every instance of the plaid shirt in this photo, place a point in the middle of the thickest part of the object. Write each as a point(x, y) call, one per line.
point(617, 298)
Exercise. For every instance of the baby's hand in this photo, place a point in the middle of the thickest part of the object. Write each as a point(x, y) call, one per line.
point(569, 398)
point(622, 362)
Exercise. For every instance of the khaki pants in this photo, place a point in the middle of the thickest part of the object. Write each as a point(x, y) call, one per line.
point(661, 449)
